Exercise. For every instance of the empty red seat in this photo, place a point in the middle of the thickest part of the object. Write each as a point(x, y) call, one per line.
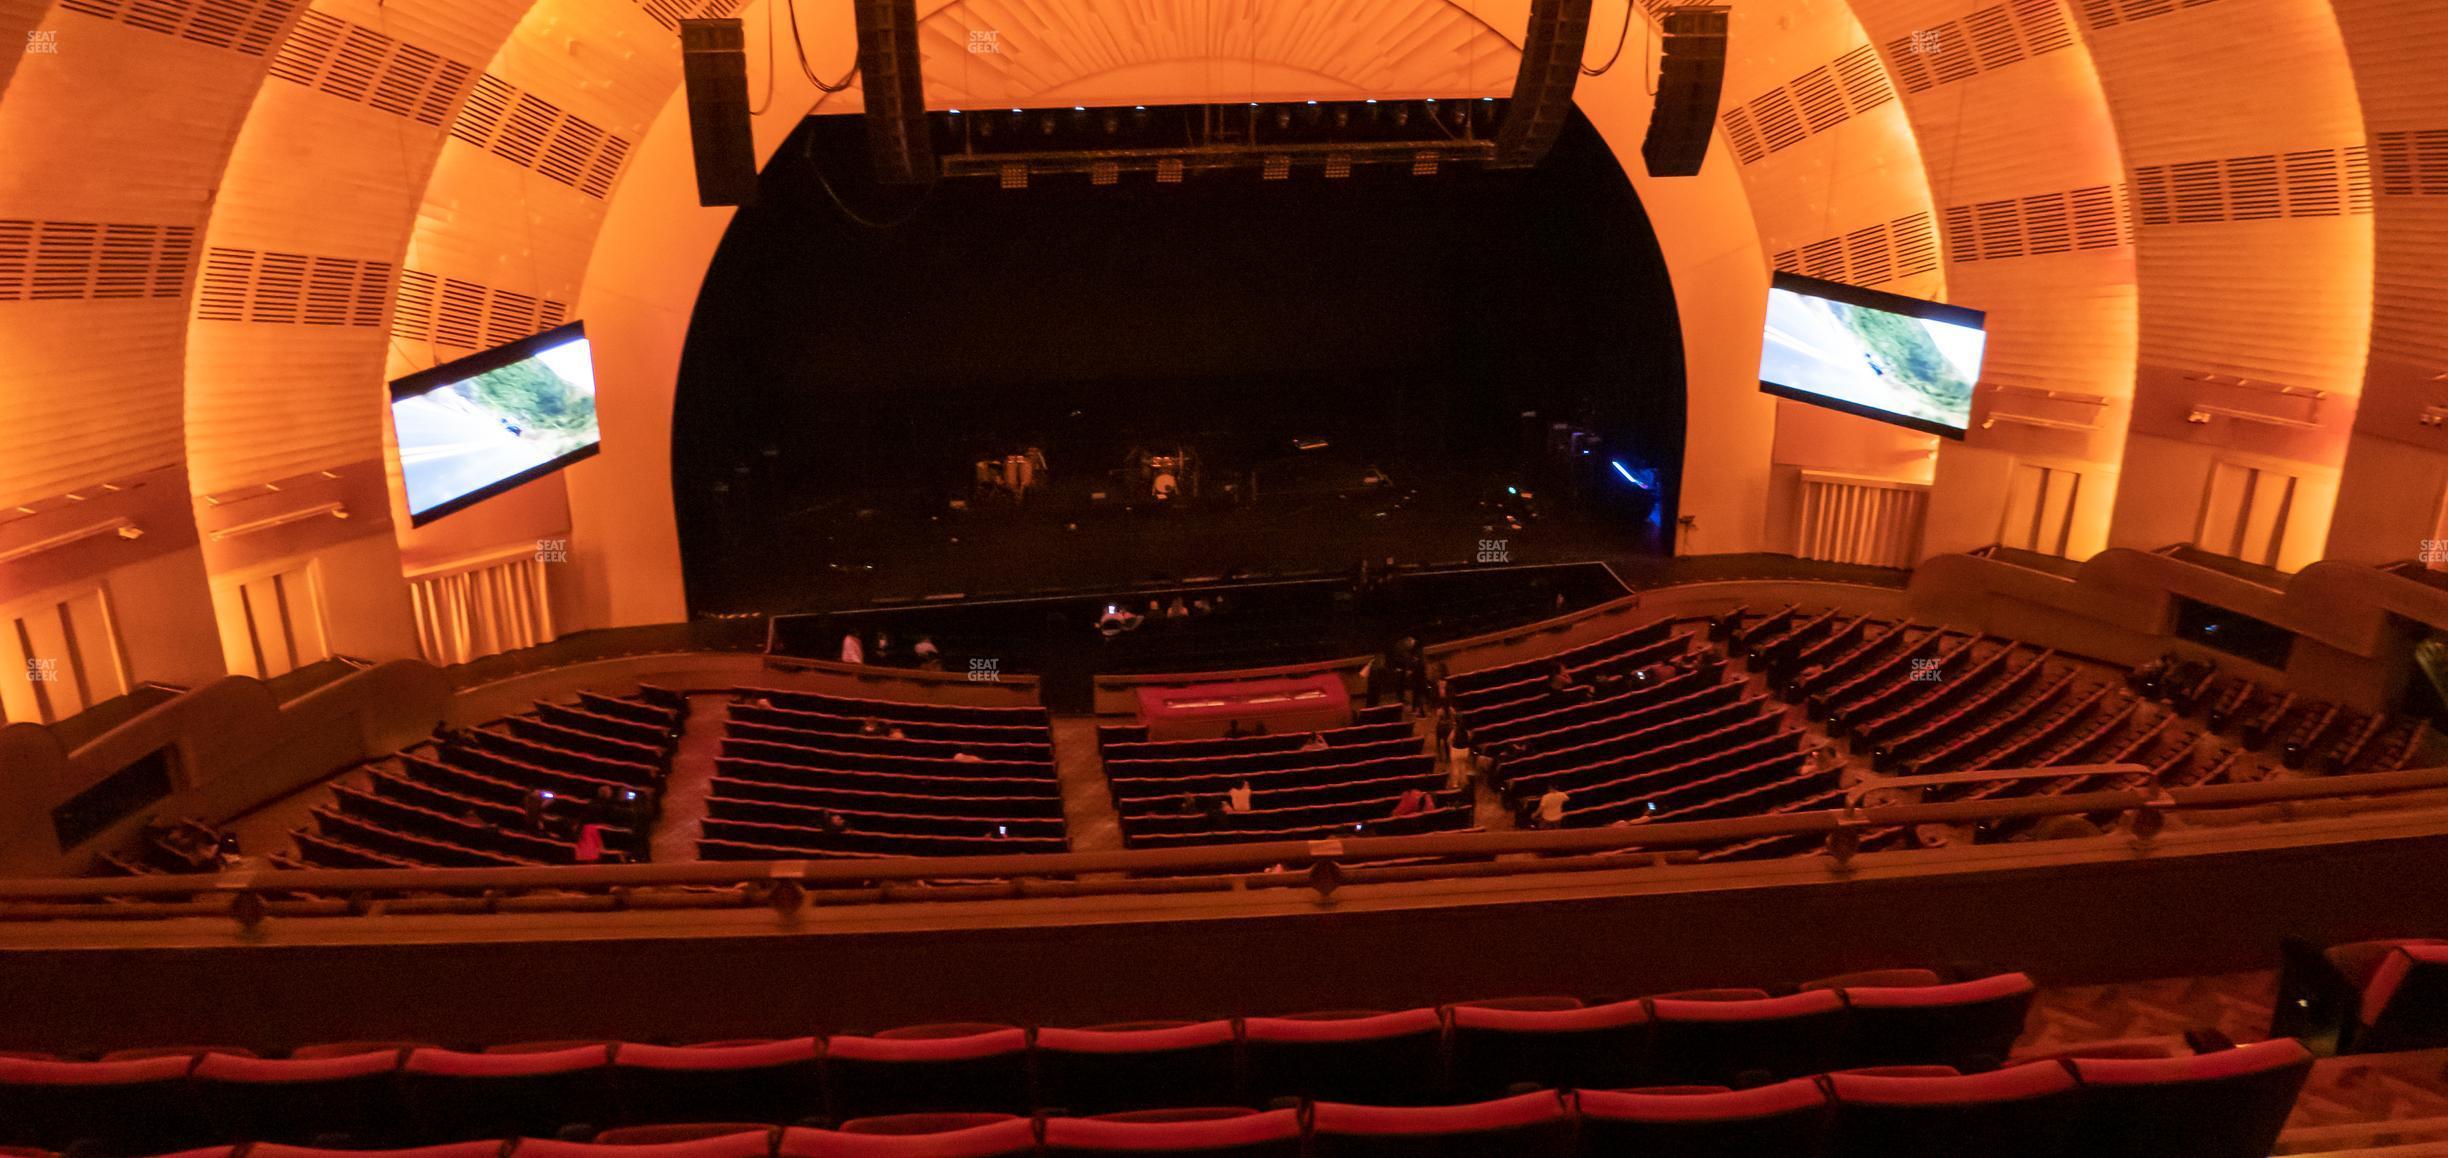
point(1010, 1136)
point(928, 1068)
point(2230, 1103)
point(301, 1100)
point(1123, 1067)
point(454, 1096)
point(1598, 1047)
point(486, 1148)
point(2405, 1004)
point(143, 1106)
point(1525, 1126)
point(1969, 1024)
point(2024, 1111)
point(676, 1132)
point(736, 1144)
point(140, 1053)
point(1786, 1118)
point(943, 1123)
point(1719, 1037)
point(776, 1082)
point(1376, 1059)
point(1267, 1134)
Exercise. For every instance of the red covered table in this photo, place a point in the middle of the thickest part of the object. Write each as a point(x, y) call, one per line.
point(1198, 711)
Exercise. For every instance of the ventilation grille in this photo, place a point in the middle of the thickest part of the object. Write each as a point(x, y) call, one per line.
point(358, 64)
point(2311, 183)
point(533, 133)
point(1985, 41)
point(291, 289)
point(449, 312)
point(2036, 226)
point(2414, 163)
point(669, 13)
point(1816, 101)
point(1867, 256)
point(84, 260)
point(1869, 522)
point(2110, 13)
point(248, 26)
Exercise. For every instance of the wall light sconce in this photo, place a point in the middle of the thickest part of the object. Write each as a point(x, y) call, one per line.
point(2198, 417)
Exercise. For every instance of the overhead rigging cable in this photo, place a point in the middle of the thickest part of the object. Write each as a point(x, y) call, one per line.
point(766, 102)
point(807, 153)
point(799, 47)
point(1621, 34)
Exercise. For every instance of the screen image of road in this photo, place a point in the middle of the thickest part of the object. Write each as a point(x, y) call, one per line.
point(468, 435)
point(1894, 363)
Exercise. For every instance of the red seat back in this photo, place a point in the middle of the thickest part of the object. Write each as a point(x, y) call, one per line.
point(1010, 1137)
point(1525, 1126)
point(1705, 1122)
point(2023, 1111)
point(1271, 1134)
point(1384, 1059)
point(2226, 1104)
point(983, 1068)
point(1085, 1072)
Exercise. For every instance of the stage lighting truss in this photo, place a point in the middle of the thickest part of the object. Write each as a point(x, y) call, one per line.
point(1279, 140)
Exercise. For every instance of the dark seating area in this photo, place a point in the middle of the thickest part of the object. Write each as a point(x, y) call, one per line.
point(1643, 725)
point(802, 773)
point(1895, 1062)
point(519, 790)
point(1340, 781)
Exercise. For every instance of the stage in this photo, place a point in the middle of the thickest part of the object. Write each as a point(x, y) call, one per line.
point(1251, 622)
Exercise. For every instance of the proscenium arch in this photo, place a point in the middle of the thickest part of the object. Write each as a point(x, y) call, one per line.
point(657, 244)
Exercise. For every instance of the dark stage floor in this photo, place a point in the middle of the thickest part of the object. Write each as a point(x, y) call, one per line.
point(1098, 532)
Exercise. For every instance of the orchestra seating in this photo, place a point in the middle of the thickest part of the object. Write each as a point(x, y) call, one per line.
point(1340, 781)
point(804, 774)
point(461, 800)
point(1649, 729)
point(1833, 1069)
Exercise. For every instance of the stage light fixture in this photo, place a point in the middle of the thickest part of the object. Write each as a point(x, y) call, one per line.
point(1342, 116)
point(1104, 173)
point(1338, 165)
point(1015, 176)
point(1278, 167)
point(1283, 118)
point(1423, 164)
point(1169, 171)
point(1113, 123)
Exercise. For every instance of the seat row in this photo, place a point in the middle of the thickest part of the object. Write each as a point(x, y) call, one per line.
point(749, 710)
point(1377, 718)
point(1232, 746)
point(403, 1093)
point(895, 710)
point(2225, 1104)
point(1526, 670)
point(1521, 696)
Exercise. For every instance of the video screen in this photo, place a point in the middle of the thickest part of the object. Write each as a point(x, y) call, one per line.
point(473, 428)
point(1896, 359)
